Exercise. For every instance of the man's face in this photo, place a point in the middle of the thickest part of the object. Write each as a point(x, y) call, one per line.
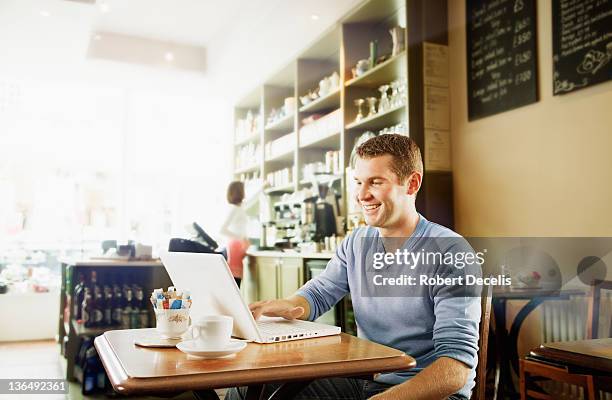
point(385, 202)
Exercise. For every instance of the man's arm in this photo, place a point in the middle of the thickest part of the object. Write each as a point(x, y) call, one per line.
point(455, 337)
point(314, 298)
point(442, 378)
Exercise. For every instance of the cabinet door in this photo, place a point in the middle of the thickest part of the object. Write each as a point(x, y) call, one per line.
point(267, 279)
point(291, 276)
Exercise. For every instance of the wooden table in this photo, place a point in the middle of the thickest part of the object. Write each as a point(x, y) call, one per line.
point(594, 355)
point(137, 370)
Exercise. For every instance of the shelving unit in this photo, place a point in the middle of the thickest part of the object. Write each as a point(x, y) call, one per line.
point(80, 330)
point(148, 274)
point(282, 125)
point(250, 139)
point(285, 157)
point(308, 182)
point(244, 170)
point(322, 103)
point(382, 73)
point(251, 106)
point(380, 120)
point(280, 189)
point(322, 141)
point(338, 50)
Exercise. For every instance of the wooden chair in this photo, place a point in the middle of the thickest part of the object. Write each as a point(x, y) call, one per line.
point(530, 368)
point(483, 343)
point(593, 310)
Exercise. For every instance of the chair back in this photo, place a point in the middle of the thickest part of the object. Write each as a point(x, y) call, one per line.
point(483, 343)
point(594, 305)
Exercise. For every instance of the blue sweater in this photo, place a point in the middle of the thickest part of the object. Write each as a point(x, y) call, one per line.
point(424, 321)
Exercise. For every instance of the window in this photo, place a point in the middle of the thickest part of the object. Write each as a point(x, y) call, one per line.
point(80, 164)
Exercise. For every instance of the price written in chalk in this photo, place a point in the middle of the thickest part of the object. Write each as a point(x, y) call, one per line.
point(501, 55)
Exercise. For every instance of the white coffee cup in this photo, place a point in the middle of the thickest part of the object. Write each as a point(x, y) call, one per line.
point(171, 324)
point(212, 331)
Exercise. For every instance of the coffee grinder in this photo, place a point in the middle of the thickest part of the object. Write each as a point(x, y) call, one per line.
point(324, 211)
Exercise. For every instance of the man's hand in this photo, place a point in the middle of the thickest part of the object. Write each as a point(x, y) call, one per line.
point(295, 307)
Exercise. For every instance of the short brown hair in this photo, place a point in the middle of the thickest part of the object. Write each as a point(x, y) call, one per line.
point(405, 152)
point(235, 193)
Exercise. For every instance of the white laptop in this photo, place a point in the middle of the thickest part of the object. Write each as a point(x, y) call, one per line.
point(214, 291)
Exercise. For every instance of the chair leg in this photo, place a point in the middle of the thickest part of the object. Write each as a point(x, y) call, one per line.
point(591, 390)
point(522, 380)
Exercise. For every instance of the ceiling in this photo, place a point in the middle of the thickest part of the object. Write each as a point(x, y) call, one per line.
point(245, 40)
point(193, 22)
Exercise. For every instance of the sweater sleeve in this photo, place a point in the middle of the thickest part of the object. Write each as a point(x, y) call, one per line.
point(327, 289)
point(457, 312)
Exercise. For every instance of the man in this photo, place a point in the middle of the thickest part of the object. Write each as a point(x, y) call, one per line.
point(435, 324)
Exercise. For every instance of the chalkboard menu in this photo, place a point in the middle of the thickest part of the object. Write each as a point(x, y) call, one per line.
point(501, 55)
point(582, 43)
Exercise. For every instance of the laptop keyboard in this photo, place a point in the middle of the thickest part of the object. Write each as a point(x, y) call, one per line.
point(285, 328)
point(280, 330)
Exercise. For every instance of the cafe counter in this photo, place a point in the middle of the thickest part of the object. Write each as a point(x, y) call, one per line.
point(277, 253)
point(279, 274)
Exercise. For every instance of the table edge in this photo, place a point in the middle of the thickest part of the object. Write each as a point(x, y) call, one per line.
point(105, 352)
point(570, 357)
point(124, 384)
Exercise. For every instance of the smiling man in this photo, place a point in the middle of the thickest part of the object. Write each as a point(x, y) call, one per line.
point(436, 324)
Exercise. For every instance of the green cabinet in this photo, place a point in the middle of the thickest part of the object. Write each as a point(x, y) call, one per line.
point(278, 277)
point(266, 277)
point(290, 276)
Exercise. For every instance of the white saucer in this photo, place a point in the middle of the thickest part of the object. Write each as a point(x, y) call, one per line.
point(190, 347)
point(151, 338)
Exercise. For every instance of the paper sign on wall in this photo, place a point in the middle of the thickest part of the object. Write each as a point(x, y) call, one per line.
point(435, 64)
point(437, 109)
point(437, 150)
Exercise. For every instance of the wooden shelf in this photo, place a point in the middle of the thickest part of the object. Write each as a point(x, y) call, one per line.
point(308, 182)
point(246, 140)
point(286, 203)
point(323, 141)
point(285, 123)
point(280, 189)
point(381, 120)
point(381, 74)
point(80, 330)
point(111, 262)
point(332, 100)
point(282, 157)
point(244, 170)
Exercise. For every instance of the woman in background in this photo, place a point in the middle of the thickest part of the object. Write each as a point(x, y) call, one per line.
point(235, 229)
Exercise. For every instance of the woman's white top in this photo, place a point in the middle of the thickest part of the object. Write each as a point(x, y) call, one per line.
point(235, 225)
